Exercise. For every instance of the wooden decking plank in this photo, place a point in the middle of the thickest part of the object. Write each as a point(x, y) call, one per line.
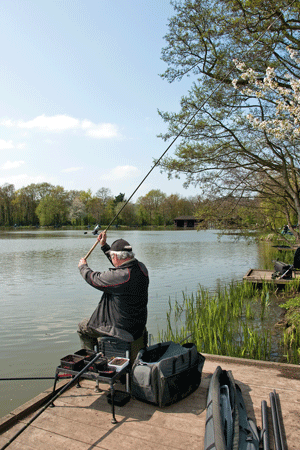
point(133, 412)
point(149, 436)
point(92, 434)
point(146, 431)
point(17, 445)
point(38, 439)
point(260, 275)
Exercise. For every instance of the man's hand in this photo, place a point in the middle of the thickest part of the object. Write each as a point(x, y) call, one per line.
point(82, 262)
point(102, 238)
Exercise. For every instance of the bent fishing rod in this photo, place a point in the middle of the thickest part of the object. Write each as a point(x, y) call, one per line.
point(146, 176)
point(181, 131)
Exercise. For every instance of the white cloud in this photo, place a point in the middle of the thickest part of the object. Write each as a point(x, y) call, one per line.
point(103, 131)
point(7, 123)
point(87, 124)
point(121, 173)
point(54, 123)
point(12, 165)
point(4, 145)
point(72, 169)
point(62, 122)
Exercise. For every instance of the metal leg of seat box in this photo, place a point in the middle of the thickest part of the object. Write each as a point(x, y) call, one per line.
point(97, 388)
point(54, 386)
point(127, 374)
point(112, 390)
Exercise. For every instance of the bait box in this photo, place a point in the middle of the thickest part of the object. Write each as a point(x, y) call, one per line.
point(88, 355)
point(109, 373)
point(72, 362)
point(98, 366)
point(119, 363)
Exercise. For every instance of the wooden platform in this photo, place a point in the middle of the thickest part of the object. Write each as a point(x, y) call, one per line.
point(81, 419)
point(259, 276)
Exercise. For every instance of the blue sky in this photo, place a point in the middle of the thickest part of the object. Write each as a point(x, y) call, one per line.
point(80, 89)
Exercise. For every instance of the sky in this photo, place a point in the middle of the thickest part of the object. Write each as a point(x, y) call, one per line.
point(80, 94)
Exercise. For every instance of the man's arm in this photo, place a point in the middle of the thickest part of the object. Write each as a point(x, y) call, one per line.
point(104, 280)
point(104, 247)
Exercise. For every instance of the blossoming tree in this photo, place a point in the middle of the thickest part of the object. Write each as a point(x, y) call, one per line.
point(242, 141)
point(278, 118)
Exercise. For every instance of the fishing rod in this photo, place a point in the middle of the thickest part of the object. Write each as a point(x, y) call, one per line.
point(26, 378)
point(277, 424)
point(75, 378)
point(152, 168)
point(265, 427)
point(224, 77)
point(62, 375)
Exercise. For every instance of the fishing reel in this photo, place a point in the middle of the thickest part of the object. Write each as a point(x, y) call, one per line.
point(95, 230)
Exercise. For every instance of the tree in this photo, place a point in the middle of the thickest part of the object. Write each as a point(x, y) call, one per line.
point(281, 121)
point(77, 211)
point(119, 198)
point(25, 203)
point(7, 193)
point(53, 208)
point(127, 216)
point(220, 150)
point(104, 194)
point(150, 207)
point(104, 197)
point(174, 206)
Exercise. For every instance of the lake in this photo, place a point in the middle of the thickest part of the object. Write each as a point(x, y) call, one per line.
point(43, 296)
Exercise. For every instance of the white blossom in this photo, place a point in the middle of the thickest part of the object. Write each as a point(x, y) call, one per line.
point(286, 120)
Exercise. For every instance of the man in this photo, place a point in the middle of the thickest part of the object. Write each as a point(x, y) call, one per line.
point(122, 311)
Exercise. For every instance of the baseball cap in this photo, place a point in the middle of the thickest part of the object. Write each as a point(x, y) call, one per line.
point(120, 245)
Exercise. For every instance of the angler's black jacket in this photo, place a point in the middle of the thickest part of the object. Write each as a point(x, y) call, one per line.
point(122, 311)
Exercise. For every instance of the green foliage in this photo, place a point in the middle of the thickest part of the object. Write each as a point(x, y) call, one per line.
point(291, 335)
point(222, 324)
point(221, 151)
point(155, 208)
point(7, 193)
point(53, 209)
point(48, 205)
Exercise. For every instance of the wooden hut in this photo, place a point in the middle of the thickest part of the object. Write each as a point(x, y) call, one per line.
point(186, 222)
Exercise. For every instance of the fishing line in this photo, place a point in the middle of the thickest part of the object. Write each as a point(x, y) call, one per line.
point(186, 125)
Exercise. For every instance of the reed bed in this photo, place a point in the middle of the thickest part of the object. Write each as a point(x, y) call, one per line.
point(228, 322)
point(291, 333)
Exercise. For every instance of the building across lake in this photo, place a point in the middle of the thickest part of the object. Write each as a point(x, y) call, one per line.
point(186, 222)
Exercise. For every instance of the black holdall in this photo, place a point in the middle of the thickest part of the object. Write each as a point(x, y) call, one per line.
point(167, 372)
point(282, 270)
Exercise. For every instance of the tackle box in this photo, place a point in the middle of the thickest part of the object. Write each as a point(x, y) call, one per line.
point(88, 355)
point(72, 362)
point(99, 366)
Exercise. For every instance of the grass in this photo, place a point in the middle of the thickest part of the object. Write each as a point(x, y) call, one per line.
point(229, 322)
point(291, 333)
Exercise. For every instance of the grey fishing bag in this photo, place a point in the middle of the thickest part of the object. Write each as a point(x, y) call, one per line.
point(165, 373)
point(228, 426)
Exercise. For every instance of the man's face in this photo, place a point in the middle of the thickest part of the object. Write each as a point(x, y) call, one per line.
point(114, 259)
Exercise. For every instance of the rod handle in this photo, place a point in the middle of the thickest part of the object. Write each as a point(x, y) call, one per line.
point(90, 251)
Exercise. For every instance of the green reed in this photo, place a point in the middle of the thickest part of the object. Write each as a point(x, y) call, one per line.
point(291, 333)
point(223, 323)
